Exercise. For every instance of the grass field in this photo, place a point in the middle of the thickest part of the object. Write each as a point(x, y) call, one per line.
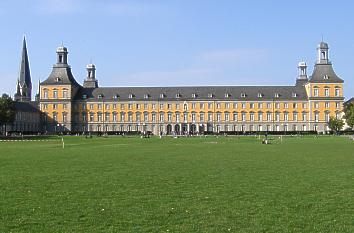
point(232, 184)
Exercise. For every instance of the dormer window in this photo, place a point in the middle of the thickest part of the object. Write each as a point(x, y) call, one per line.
point(162, 96)
point(260, 95)
point(243, 95)
point(146, 96)
point(276, 95)
point(131, 96)
point(57, 79)
point(116, 96)
point(227, 95)
point(294, 95)
point(325, 77)
point(194, 95)
point(100, 96)
point(84, 96)
point(178, 95)
point(210, 95)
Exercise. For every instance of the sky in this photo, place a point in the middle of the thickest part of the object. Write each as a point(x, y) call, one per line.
point(177, 42)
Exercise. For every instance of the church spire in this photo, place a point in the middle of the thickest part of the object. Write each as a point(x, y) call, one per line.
point(24, 84)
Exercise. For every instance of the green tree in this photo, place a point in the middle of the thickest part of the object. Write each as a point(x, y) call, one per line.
point(335, 124)
point(7, 111)
point(349, 115)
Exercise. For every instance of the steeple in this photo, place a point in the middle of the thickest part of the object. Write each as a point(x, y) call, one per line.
point(24, 83)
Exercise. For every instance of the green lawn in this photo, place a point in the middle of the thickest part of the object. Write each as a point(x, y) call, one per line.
point(177, 185)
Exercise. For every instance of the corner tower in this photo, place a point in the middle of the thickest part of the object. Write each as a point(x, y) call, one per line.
point(24, 83)
point(57, 93)
point(324, 90)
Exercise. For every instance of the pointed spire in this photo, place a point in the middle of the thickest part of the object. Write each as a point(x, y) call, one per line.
point(24, 85)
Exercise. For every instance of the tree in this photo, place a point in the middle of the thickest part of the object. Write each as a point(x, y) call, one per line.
point(349, 115)
point(335, 124)
point(7, 110)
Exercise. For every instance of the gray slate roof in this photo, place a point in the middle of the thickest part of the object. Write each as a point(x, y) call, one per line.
point(63, 72)
point(324, 73)
point(186, 93)
point(27, 106)
point(25, 74)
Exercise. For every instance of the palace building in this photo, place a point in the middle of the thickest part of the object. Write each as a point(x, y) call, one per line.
point(66, 105)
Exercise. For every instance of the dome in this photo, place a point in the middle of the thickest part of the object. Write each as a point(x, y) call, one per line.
point(302, 64)
point(323, 45)
point(91, 66)
point(62, 49)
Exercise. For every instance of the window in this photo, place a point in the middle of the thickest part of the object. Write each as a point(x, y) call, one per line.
point(277, 105)
point(65, 106)
point(315, 92)
point(55, 116)
point(178, 117)
point(210, 116)
point(65, 94)
point(243, 95)
point(337, 92)
point(276, 95)
point(162, 96)
point(114, 106)
point(294, 95)
point(201, 106)
point(235, 116)
point(122, 116)
point(235, 105)
point(177, 106)
point(194, 96)
point(227, 105)
point(269, 116)
point(107, 117)
point(243, 116)
point(210, 95)
point(294, 105)
point(327, 105)
point(162, 117)
point(260, 105)
point(327, 116)
point(210, 105)
point(122, 106)
point(130, 106)
point(161, 106)
point(114, 117)
point(169, 117)
point(286, 116)
point(193, 117)
point(251, 105)
point(227, 95)
point(202, 117)
point(269, 105)
point(131, 96)
point(317, 116)
point(295, 118)
point(83, 106)
point(55, 106)
point(178, 95)
point(45, 94)
point(326, 92)
point(243, 105)
point(286, 105)
point(84, 117)
point(338, 105)
point(316, 105)
point(260, 95)
point(251, 116)
point(218, 116)
point(169, 106)
point(146, 106)
point(277, 116)
point(91, 106)
point(227, 116)
point(99, 106)
point(146, 96)
point(100, 96)
point(55, 94)
point(153, 117)
point(107, 106)
point(218, 105)
point(130, 116)
point(193, 105)
point(260, 116)
point(304, 116)
point(45, 106)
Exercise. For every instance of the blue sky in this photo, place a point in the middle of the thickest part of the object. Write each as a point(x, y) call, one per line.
point(177, 42)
